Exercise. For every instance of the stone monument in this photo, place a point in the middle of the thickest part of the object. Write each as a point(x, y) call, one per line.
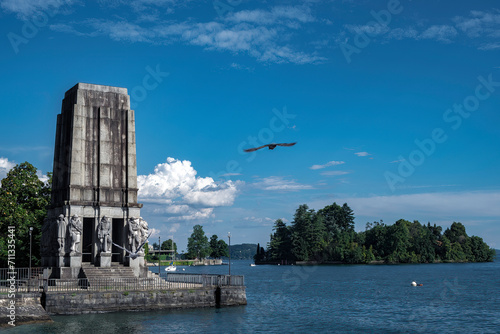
point(94, 185)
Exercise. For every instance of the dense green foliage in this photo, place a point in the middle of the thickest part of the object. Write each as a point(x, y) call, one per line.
point(218, 248)
point(167, 245)
point(198, 246)
point(23, 202)
point(328, 236)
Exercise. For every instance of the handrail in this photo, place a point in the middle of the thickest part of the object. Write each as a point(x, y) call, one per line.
point(21, 283)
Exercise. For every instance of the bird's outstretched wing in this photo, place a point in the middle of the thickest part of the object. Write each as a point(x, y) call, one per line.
point(286, 144)
point(122, 248)
point(132, 255)
point(271, 146)
point(256, 148)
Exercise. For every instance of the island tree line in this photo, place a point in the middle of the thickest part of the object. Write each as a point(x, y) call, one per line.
point(328, 235)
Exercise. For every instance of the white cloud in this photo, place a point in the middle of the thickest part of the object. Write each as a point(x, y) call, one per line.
point(259, 219)
point(280, 184)
point(241, 67)
point(400, 33)
point(362, 154)
point(230, 174)
point(174, 228)
point(122, 30)
point(154, 232)
point(263, 34)
point(490, 46)
point(238, 38)
point(42, 177)
point(26, 8)
point(5, 166)
point(178, 192)
point(442, 33)
point(250, 222)
point(278, 15)
point(328, 164)
point(335, 173)
point(479, 23)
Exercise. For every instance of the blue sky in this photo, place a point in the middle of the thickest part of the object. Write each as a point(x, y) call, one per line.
point(394, 105)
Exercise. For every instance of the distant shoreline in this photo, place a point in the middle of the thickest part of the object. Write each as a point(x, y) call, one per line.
point(376, 262)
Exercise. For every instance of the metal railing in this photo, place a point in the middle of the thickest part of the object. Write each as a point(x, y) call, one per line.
point(20, 282)
point(20, 273)
point(106, 284)
point(207, 280)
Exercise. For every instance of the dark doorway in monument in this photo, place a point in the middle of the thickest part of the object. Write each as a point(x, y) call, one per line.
point(88, 230)
point(117, 236)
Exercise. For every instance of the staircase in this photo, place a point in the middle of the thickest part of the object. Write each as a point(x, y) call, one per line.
point(123, 277)
point(115, 272)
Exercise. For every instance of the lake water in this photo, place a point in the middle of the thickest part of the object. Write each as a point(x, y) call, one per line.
point(454, 298)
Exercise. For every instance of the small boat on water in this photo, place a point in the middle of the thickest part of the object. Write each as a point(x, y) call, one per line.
point(171, 267)
point(252, 264)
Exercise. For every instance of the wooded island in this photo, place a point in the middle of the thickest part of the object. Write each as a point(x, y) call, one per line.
point(328, 236)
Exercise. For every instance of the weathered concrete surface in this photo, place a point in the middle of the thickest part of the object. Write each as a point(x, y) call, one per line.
point(93, 302)
point(95, 170)
point(233, 296)
point(27, 309)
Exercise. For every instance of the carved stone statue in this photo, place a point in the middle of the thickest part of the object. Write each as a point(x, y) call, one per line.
point(104, 234)
point(75, 230)
point(134, 234)
point(144, 229)
point(62, 232)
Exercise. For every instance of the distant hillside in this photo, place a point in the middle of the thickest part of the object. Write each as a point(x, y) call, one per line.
point(243, 251)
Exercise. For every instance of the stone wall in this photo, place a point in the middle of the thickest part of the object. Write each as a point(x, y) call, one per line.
point(25, 309)
point(93, 302)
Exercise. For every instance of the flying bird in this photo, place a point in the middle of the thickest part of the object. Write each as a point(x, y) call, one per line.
point(134, 255)
point(271, 146)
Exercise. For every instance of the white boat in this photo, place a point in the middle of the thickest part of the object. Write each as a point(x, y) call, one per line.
point(252, 264)
point(171, 267)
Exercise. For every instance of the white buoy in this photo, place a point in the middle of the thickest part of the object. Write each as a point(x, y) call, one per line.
point(413, 283)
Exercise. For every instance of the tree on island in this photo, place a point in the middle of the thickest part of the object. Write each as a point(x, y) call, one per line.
point(23, 204)
point(198, 245)
point(328, 236)
point(260, 256)
point(280, 245)
point(218, 248)
point(167, 245)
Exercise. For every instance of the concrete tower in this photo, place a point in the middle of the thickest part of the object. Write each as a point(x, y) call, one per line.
point(94, 176)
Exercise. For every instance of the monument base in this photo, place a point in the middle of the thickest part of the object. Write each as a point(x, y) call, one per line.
point(65, 273)
point(75, 260)
point(105, 260)
point(137, 265)
point(62, 261)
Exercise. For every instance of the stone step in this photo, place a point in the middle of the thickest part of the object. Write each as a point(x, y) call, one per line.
point(115, 272)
